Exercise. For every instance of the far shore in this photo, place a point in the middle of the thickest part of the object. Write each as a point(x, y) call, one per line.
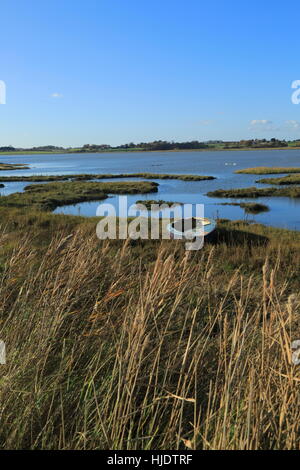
point(61, 152)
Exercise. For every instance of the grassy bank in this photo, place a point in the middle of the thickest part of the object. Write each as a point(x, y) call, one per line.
point(52, 195)
point(13, 166)
point(86, 177)
point(142, 345)
point(256, 192)
point(265, 170)
point(285, 180)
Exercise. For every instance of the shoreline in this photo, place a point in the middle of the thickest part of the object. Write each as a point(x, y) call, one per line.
point(7, 154)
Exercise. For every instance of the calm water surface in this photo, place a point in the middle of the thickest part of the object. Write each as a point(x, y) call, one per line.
point(284, 212)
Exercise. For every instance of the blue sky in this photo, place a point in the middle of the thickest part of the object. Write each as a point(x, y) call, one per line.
point(99, 71)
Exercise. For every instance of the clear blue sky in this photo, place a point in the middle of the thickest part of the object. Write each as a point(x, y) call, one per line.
point(115, 71)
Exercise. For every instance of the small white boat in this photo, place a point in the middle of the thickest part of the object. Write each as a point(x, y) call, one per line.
point(191, 227)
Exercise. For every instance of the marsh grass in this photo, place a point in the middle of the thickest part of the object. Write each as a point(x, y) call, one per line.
point(13, 166)
point(51, 195)
point(85, 177)
point(254, 192)
point(148, 203)
point(285, 180)
point(265, 170)
point(141, 345)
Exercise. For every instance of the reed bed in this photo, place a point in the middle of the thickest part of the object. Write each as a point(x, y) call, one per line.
point(142, 345)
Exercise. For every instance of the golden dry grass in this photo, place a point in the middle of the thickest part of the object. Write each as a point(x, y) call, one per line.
point(141, 345)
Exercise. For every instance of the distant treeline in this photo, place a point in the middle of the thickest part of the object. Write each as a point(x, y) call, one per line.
point(160, 145)
point(43, 148)
point(257, 143)
point(156, 145)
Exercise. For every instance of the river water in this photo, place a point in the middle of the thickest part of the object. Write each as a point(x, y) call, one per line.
point(284, 212)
